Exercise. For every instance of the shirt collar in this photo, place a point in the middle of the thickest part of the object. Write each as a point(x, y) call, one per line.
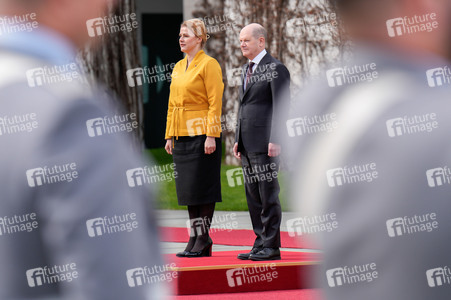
point(259, 57)
point(41, 42)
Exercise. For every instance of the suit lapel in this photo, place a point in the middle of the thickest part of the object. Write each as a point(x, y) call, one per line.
point(243, 78)
point(260, 69)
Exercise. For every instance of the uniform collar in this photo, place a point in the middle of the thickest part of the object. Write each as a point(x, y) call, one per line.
point(43, 43)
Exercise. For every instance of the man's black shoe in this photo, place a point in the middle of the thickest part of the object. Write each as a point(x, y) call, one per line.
point(245, 256)
point(266, 254)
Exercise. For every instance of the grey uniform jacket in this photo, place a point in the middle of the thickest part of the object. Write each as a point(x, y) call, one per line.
point(71, 226)
point(382, 171)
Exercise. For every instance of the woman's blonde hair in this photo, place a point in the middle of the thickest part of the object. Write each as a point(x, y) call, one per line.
point(197, 26)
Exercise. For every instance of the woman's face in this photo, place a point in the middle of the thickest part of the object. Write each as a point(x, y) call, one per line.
point(187, 40)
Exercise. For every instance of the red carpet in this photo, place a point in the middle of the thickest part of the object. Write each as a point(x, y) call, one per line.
point(235, 237)
point(309, 294)
point(224, 273)
point(229, 259)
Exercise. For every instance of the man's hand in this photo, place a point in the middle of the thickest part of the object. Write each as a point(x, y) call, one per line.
point(168, 146)
point(273, 150)
point(210, 145)
point(235, 151)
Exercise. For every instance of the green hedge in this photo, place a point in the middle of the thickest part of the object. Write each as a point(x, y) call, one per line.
point(233, 198)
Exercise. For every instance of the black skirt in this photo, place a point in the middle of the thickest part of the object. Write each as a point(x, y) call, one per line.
point(198, 178)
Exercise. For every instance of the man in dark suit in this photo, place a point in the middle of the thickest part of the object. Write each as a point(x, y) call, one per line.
point(265, 83)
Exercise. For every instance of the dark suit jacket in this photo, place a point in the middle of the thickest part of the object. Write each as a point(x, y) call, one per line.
point(262, 105)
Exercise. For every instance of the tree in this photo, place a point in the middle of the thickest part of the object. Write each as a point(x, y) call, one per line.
point(108, 62)
point(303, 34)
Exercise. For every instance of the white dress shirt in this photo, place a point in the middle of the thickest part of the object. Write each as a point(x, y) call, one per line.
point(256, 61)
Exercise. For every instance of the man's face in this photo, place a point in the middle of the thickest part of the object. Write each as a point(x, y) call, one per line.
point(74, 15)
point(250, 46)
point(68, 17)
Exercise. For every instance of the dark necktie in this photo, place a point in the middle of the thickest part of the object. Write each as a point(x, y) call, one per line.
point(249, 73)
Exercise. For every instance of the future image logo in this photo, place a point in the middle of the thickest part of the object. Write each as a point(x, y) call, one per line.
point(351, 174)
point(439, 76)
point(50, 175)
point(51, 275)
point(410, 225)
point(408, 125)
point(213, 125)
point(438, 176)
point(218, 23)
point(312, 224)
point(196, 126)
point(135, 77)
point(438, 276)
point(352, 75)
point(351, 275)
point(198, 226)
point(312, 24)
point(109, 225)
point(307, 125)
point(13, 124)
point(149, 75)
point(55, 74)
point(235, 177)
point(110, 25)
point(151, 174)
point(410, 25)
point(148, 275)
point(249, 275)
point(111, 124)
point(223, 222)
point(235, 77)
point(18, 23)
point(18, 223)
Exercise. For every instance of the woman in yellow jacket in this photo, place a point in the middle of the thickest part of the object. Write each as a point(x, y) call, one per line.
point(193, 134)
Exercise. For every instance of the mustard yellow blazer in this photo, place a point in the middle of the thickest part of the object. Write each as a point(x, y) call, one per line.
point(195, 99)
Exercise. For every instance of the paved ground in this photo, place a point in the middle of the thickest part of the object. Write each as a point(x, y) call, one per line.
point(239, 220)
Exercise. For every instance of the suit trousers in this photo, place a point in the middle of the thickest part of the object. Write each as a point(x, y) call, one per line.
point(262, 188)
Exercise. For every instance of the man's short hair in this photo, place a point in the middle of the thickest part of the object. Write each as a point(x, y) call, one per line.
point(260, 31)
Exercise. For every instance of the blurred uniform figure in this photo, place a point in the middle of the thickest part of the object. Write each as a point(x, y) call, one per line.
point(371, 144)
point(71, 225)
